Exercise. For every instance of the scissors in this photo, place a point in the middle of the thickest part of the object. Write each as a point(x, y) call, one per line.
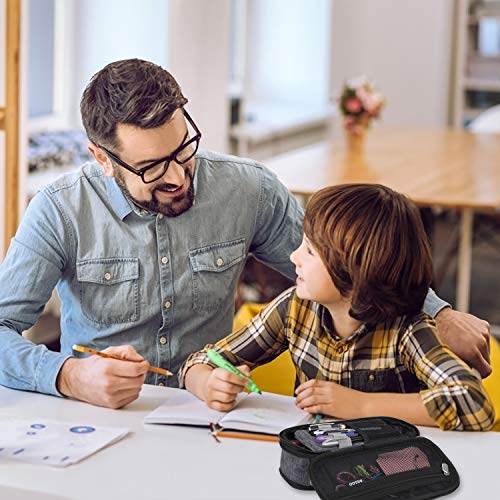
point(344, 478)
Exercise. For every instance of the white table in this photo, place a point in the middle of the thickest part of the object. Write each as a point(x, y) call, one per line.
point(158, 461)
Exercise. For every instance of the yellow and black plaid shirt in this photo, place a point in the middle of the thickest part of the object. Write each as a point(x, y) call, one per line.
point(403, 355)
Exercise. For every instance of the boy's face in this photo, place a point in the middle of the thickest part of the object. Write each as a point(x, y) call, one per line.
point(313, 280)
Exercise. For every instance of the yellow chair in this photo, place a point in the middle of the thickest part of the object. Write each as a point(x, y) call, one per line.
point(278, 376)
point(492, 383)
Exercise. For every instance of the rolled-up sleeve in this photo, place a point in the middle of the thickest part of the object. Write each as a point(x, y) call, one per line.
point(454, 397)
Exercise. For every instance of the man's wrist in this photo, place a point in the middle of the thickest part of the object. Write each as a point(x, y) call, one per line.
point(443, 313)
point(64, 382)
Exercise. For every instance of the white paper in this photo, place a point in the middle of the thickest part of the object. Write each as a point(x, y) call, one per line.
point(42, 441)
point(269, 413)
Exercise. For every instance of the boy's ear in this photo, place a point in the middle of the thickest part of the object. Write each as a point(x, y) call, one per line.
point(101, 158)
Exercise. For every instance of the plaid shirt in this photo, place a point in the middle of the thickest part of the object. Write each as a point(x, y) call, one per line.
point(402, 355)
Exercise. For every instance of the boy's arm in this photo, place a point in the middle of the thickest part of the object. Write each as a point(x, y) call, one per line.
point(329, 398)
point(258, 342)
point(454, 397)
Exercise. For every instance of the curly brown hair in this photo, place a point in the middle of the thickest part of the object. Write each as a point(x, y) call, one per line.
point(132, 91)
point(374, 246)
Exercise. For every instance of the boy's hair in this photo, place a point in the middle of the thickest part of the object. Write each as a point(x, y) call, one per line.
point(131, 91)
point(374, 246)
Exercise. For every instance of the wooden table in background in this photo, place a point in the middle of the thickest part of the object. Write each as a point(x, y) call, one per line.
point(452, 169)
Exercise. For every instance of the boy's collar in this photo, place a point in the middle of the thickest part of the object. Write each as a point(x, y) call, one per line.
point(328, 325)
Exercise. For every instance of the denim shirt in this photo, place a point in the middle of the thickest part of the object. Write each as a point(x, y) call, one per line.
point(165, 285)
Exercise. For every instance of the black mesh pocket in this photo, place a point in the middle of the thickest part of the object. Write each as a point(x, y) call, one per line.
point(415, 468)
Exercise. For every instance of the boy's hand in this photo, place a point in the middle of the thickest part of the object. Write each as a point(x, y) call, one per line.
point(222, 387)
point(329, 398)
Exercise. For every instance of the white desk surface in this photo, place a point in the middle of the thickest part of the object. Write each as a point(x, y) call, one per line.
point(164, 461)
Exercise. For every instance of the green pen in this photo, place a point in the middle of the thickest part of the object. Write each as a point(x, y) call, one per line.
point(222, 362)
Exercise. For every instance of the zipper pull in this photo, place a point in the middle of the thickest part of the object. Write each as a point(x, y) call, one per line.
point(445, 469)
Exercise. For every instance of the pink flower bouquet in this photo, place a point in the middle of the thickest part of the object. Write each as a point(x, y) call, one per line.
point(359, 104)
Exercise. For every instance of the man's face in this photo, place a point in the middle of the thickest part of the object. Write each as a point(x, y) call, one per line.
point(173, 193)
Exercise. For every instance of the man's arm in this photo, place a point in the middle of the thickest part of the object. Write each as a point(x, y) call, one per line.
point(36, 260)
point(33, 265)
point(278, 225)
point(466, 335)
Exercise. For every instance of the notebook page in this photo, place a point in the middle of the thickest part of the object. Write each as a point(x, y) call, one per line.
point(182, 407)
point(269, 413)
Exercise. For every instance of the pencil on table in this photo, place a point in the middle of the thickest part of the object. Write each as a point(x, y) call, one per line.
point(101, 354)
point(242, 435)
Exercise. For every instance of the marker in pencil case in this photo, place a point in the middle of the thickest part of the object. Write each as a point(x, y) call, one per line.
point(222, 362)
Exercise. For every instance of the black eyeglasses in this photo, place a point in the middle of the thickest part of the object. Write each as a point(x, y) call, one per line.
point(156, 170)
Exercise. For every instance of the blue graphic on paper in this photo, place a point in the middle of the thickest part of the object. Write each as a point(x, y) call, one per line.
point(82, 429)
point(37, 426)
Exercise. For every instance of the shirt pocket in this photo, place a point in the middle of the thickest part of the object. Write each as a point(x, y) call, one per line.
point(215, 273)
point(109, 289)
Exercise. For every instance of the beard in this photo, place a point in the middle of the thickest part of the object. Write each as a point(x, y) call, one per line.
point(175, 207)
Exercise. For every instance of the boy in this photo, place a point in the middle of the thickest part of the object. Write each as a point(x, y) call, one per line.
point(353, 324)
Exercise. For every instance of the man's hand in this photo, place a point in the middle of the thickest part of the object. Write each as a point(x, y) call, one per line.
point(329, 398)
point(467, 336)
point(102, 381)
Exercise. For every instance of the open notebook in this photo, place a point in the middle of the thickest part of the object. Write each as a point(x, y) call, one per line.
point(267, 413)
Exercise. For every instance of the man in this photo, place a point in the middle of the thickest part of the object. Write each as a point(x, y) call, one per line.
point(145, 246)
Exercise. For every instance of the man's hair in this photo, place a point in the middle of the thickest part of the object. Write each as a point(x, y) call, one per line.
point(374, 246)
point(133, 92)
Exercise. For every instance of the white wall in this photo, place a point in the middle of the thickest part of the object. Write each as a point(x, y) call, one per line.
point(288, 54)
point(189, 38)
point(404, 47)
point(110, 30)
point(199, 60)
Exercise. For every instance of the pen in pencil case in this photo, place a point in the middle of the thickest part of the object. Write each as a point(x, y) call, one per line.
point(222, 362)
point(88, 350)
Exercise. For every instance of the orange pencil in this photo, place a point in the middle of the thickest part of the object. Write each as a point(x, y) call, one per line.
point(242, 435)
point(88, 350)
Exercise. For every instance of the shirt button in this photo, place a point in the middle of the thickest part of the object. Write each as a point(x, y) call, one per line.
point(107, 276)
point(163, 340)
point(219, 262)
point(160, 216)
point(161, 384)
point(340, 350)
point(164, 260)
point(371, 377)
point(168, 304)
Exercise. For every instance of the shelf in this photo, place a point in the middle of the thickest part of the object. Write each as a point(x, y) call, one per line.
point(270, 122)
point(482, 84)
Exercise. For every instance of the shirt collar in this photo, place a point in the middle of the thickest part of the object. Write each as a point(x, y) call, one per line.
point(119, 202)
point(327, 325)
